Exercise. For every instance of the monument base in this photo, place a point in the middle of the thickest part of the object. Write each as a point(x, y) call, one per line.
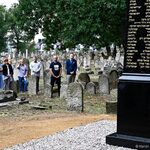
point(128, 141)
point(133, 113)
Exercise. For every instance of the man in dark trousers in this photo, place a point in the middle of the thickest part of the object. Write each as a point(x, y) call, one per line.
point(55, 71)
point(71, 68)
point(7, 73)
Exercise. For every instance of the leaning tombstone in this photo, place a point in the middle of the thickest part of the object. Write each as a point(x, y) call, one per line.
point(75, 97)
point(32, 85)
point(91, 88)
point(104, 88)
point(133, 109)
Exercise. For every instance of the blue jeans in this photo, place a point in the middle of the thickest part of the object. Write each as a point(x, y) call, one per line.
point(23, 84)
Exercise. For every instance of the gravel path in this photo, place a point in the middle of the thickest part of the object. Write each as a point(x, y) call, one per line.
point(88, 137)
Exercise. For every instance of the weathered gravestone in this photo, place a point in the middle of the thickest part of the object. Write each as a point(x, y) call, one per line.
point(104, 88)
point(111, 102)
point(84, 77)
point(46, 77)
point(47, 90)
point(32, 85)
point(63, 91)
point(42, 69)
point(75, 97)
point(91, 88)
point(133, 109)
point(83, 84)
point(113, 79)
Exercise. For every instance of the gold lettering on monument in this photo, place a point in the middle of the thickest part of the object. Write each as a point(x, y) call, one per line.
point(138, 35)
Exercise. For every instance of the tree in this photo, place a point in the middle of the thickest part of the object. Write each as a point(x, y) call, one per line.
point(100, 22)
point(16, 36)
point(71, 22)
point(3, 28)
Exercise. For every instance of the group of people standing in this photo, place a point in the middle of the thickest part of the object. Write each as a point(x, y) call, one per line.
point(55, 70)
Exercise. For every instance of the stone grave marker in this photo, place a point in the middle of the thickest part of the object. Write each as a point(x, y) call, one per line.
point(104, 88)
point(75, 97)
point(111, 102)
point(32, 85)
point(46, 77)
point(91, 88)
point(47, 90)
point(63, 91)
point(84, 77)
point(113, 79)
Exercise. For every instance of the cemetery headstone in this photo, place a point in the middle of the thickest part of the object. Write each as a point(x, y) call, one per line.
point(133, 108)
point(32, 85)
point(27, 53)
point(84, 77)
point(83, 84)
point(104, 88)
point(63, 91)
point(91, 88)
point(111, 102)
point(113, 79)
point(47, 90)
point(46, 77)
point(75, 97)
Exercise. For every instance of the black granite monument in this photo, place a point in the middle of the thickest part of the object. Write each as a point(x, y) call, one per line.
point(133, 109)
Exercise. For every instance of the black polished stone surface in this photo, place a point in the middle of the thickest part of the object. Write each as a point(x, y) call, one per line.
point(133, 112)
point(128, 141)
point(133, 108)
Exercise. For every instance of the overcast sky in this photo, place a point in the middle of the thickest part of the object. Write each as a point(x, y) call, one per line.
point(8, 3)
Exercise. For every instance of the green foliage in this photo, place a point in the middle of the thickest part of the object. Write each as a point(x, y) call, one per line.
point(17, 37)
point(97, 22)
point(3, 28)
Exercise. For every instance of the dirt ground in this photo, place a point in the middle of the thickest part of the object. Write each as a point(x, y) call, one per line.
point(19, 130)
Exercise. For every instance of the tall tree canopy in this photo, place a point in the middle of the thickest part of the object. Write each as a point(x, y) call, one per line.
point(97, 22)
point(17, 37)
point(3, 28)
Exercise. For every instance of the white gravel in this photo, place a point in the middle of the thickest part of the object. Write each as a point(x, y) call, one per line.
point(88, 137)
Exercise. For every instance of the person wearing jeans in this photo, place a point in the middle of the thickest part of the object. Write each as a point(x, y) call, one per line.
point(22, 76)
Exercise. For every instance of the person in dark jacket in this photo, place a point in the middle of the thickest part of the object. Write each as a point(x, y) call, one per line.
point(55, 71)
point(7, 73)
point(71, 69)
